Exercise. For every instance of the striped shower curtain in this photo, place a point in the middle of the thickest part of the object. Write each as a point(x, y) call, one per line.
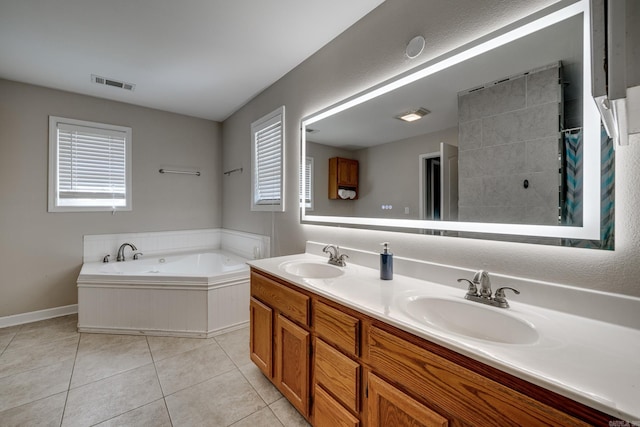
point(572, 208)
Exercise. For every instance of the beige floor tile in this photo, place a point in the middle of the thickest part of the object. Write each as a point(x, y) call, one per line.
point(220, 401)
point(101, 356)
point(46, 412)
point(236, 345)
point(102, 400)
point(26, 387)
point(164, 347)
point(20, 359)
point(267, 391)
point(287, 414)
point(263, 418)
point(6, 335)
point(192, 367)
point(46, 331)
point(153, 414)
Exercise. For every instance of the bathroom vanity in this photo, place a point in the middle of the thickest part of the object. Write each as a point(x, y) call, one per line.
point(343, 351)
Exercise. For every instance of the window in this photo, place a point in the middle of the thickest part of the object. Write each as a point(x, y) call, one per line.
point(306, 199)
point(267, 144)
point(89, 166)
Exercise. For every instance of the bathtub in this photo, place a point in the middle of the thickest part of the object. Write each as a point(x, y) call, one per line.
point(187, 295)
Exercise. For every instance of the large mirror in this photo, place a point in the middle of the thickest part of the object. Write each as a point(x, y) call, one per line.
point(506, 140)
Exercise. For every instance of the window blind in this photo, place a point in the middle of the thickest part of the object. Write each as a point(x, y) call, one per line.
point(91, 166)
point(306, 176)
point(268, 162)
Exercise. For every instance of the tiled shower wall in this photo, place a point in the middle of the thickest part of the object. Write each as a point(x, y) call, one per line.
point(508, 133)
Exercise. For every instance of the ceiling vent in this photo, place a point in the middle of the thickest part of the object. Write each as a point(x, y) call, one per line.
point(114, 83)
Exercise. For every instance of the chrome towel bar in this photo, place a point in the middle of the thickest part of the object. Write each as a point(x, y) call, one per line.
point(197, 173)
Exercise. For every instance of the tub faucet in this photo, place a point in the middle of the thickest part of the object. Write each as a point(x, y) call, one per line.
point(335, 257)
point(121, 251)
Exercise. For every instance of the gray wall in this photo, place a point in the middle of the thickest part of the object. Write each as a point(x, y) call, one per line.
point(41, 252)
point(389, 175)
point(508, 134)
point(370, 52)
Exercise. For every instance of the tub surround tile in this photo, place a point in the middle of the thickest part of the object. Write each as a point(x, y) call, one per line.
point(102, 400)
point(265, 388)
point(153, 414)
point(165, 347)
point(16, 359)
point(287, 414)
point(204, 404)
point(101, 356)
point(192, 367)
point(263, 418)
point(45, 412)
point(29, 386)
point(236, 345)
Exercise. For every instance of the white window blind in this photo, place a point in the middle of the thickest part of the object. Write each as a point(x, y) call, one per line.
point(268, 153)
point(90, 163)
point(306, 186)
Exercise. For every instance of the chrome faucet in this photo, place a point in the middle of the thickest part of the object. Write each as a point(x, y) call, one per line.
point(121, 251)
point(481, 279)
point(335, 257)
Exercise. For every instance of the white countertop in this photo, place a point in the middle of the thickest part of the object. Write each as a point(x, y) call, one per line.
point(590, 361)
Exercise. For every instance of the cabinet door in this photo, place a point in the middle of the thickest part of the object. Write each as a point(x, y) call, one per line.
point(292, 363)
point(389, 406)
point(261, 336)
point(347, 172)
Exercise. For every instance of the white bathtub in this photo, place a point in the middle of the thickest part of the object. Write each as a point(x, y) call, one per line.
point(189, 295)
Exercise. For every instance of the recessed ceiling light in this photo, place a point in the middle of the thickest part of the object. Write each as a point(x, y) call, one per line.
point(412, 116)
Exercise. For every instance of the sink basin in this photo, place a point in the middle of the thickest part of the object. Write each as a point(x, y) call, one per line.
point(470, 319)
point(312, 270)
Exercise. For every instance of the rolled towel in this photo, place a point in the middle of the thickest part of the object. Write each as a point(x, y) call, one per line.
point(343, 193)
point(352, 194)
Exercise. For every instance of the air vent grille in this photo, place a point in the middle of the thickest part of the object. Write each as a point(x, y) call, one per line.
point(111, 82)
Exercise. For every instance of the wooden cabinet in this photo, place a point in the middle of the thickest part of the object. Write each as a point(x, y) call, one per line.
point(292, 362)
point(261, 336)
point(343, 175)
point(364, 372)
point(280, 340)
point(389, 406)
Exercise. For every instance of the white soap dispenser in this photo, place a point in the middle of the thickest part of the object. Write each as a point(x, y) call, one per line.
point(386, 263)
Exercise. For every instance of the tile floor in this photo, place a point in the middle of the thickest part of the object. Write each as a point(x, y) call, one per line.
point(51, 375)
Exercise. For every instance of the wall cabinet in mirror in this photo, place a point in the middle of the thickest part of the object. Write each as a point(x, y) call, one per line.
point(343, 178)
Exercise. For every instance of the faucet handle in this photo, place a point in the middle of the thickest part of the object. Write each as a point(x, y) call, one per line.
point(473, 289)
point(106, 258)
point(500, 298)
point(137, 255)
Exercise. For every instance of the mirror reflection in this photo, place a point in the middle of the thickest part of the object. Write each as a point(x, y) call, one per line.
point(495, 140)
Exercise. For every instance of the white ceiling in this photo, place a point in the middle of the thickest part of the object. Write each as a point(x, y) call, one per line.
point(203, 58)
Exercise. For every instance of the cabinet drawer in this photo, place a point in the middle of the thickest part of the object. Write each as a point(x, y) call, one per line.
point(338, 374)
point(329, 413)
point(292, 304)
point(337, 327)
point(454, 390)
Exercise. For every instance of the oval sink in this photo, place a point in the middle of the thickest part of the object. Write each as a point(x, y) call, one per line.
point(312, 270)
point(470, 319)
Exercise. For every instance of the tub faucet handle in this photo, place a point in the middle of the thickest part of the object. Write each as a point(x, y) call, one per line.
point(137, 255)
point(106, 258)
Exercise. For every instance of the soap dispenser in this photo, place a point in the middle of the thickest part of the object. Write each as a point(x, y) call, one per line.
point(386, 263)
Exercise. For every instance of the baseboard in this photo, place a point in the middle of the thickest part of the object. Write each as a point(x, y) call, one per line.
point(34, 316)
